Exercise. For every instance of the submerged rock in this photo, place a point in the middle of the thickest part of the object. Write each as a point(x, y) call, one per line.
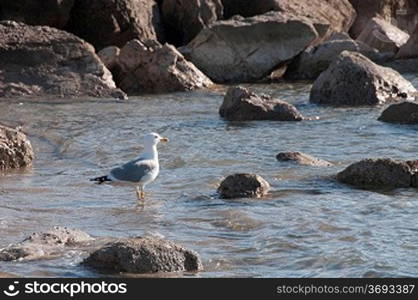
point(314, 60)
point(44, 244)
point(149, 67)
point(248, 49)
point(115, 22)
point(39, 61)
point(15, 149)
point(144, 255)
point(382, 173)
point(403, 113)
point(242, 105)
point(303, 159)
point(243, 186)
point(383, 36)
point(354, 80)
point(184, 19)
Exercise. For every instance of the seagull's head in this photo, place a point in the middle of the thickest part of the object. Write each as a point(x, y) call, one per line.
point(152, 139)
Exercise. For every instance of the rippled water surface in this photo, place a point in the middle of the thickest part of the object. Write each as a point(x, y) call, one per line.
point(309, 225)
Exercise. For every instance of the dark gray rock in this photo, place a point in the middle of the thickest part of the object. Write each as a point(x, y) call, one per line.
point(402, 113)
point(144, 255)
point(243, 186)
point(354, 80)
point(303, 159)
point(242, 105)
point(15, 149)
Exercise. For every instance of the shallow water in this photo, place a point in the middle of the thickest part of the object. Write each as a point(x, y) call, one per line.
point(309, 225)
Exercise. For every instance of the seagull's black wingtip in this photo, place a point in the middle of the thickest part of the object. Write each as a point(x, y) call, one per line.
point(101, 179)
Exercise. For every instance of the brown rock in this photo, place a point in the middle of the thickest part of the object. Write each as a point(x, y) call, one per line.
point(243, 186)
point(144, 255)
point(15, 149)
point(109, 56)
point(115, 22)
point(39, 61)
point(242, 105)
point(410, 48)
point(149, 67)
point(403, 113)
point(354, 80)
point(184, 19)
point(303, 159)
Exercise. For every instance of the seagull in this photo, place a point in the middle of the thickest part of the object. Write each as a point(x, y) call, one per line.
point(140, 171)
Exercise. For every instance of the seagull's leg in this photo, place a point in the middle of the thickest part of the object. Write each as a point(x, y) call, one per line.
point(138, 193)
point(142, 193)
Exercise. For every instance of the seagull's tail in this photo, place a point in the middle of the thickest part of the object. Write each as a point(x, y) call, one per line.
point(101, 179)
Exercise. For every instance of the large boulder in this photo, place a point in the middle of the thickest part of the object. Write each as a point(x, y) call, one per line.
point(115, 22)
point(15, 149)
point(402, 113)
point(149, 67)
point(354, 80)
point(339, 14)
point(383, 36)
point(243, 185)
point(39, 61)
point(302, 159)
point(242, 105)
point(45, 244)
point(382, 173)
point(410, 48)
point(144, 255)
point(54, 13)
point(248, 49)
point(314, 60)
point(184, 19)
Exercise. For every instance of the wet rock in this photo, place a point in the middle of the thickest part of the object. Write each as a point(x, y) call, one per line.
point(339, 14)
point(248, 49)
point(15, 149)
point(403, 113)
point(383, 36)
point(39, 61)
point(44, 244)
point(184, 19)
point(144, 255)
point(115, 22)
point(54, 13)
point(149, 67)
point(243, 186)
point(314, 60)
point(109, 56)
point(354, 80)
point(242, 105)
point(382, 173)
point(410, 48)
point(303, 159)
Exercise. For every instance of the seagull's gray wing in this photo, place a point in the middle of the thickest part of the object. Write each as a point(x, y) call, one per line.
point(133, 171)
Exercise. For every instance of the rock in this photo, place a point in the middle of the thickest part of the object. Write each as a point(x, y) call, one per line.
point(410, 48)
point(15, 149)
point(406, 17)
point(144, 255)
point(402, 66)
point(403, 113)
point(352, 79)
point(339, 14)
point(109, 56)
point(383, 36)
point(184, 19)
point(314, 60)
point(382, 173)
point(54, 13)
point(303, 159)
point(115, 22)
point(244, 50)
point(44, 244)
point(149, 67)
point(242, 105)
point(40, 61)
point(243, 186)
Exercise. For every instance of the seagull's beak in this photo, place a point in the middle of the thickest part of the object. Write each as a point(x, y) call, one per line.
point(164, 139)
